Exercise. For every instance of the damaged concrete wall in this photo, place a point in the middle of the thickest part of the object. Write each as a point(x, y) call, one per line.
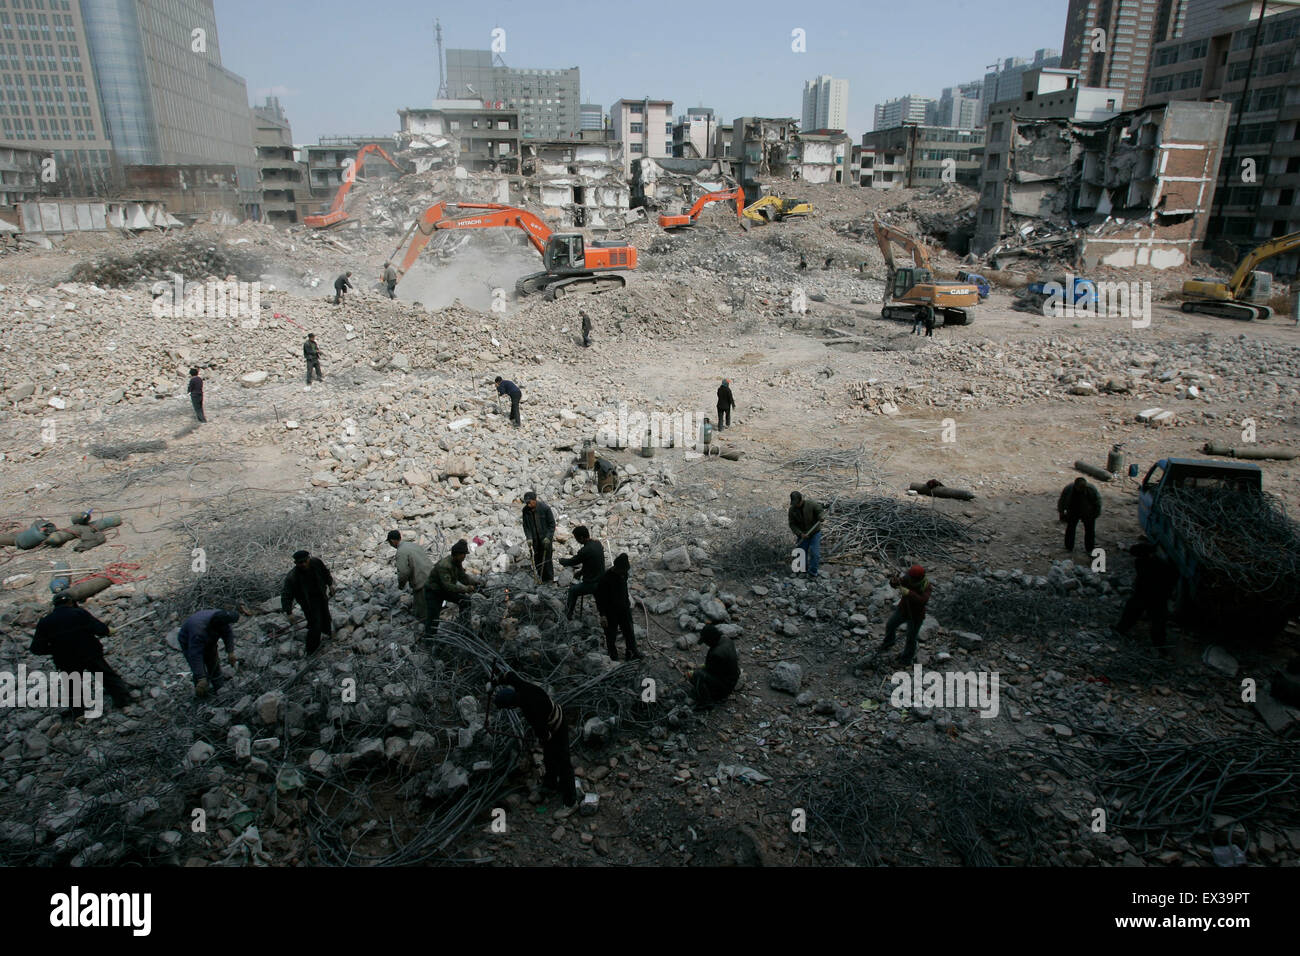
point(675, 183)
point(577, 184)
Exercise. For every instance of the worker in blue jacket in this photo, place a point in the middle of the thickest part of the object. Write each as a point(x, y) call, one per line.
point(507, 387)
point(198, 641)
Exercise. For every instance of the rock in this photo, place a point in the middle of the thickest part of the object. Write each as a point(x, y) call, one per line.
point(595, 730)
point(785, 676)
point(678, 559)
point(967, 640)
point(267, 707)
point(714, 610)
point(201, 752)
point(400, 361)
point(590, 804)
point(416, 478)
point(320, 762)
point(1216, 658)
point(1082, 388)
point(253, 379)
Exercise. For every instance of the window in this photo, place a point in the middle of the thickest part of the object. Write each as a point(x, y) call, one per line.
point(986, 217)
point(635, 110)
point(1110, 104)
point(636, 148)
point(993, 160)
point(636, 128)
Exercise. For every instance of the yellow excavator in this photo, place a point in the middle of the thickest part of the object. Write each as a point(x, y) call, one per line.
point(914, 286)
point(771, 208)
point(1231, 300)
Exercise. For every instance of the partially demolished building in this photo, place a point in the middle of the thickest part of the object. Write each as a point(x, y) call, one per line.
point(1132, 190)
point(577, 184)
point(673, 184)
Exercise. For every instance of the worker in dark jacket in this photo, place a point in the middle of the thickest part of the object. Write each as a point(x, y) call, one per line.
point(196, 394)
point(70, 634)
point(915, 589)
point(929, 316)
point(198, 641)
point(1080, 501)
point(547, 720)
point(311, 352)
point(507, 387)
point(726, 402)
point(311, 585)
point(715, 682)
point(390, 280)
point(586, 329)
point(805, 519)
point(1153, 586)
point(450, 582)
point(341, 285)
point(539, 528)
point(590, 562)
point(615, 607)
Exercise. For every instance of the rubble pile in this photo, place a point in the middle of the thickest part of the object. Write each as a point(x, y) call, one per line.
point(190, 256)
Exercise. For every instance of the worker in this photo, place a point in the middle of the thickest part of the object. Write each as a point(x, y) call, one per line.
point(308, 584)
point(1080, 501)
point(714, 683)
point(450, 583)
point(590, 562)
point(415, 567)
point(918, 320)
point(586, 329)
point(726, 402)
point(826, 267)
point(615, 607)
point(915, 589)
point(929, 320)
point(805, 520)
point(390, 280)
point(546, 717)
point(803, 262)
point(198, 642)
point(70, 634)
point(539, 528)
point(196, 394)
point(507, 387)
point(311, 352)
point(1153, 585)
point(341, 285)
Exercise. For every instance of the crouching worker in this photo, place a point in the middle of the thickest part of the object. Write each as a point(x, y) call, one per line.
point(547, 720)
point(721, 672)
point(198, 639)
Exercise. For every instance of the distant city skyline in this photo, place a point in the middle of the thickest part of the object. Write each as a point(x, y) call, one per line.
point(338, 72)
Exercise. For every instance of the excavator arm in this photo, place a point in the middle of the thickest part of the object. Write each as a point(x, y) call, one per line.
point(886, 235)
point(689, 218)
point(336, 213)
point(1274, 247)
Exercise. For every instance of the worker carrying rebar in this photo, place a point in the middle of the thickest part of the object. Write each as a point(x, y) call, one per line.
point(198, 640)
point(341, 285)
point(1080, 501)
point(311, 585)
point(590, 564)
point(805, 519)
point(390, 280)
point(615, 607)
point(452, 583)
point(311, 352)
point(415, 567)
point(70, 634)
point(915, 589)
point(539, 528)
point(714, 682)
point(546, 717)
point(726, 402)
point(507, 387)
point(1153, 585)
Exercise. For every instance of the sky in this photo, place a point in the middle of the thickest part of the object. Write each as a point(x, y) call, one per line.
point(345, 67)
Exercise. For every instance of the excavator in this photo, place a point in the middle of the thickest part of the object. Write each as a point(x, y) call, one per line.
point(690, 218)
point(571, 263)
point(775, 208)
point(336, 213)
point(913, 286)
point(1231, 300)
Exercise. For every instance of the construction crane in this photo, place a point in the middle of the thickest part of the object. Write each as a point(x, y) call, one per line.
point(336, 213)
point(570, 262)
point(914, 286)
point(691, 217)
point(774, 207)
point(1231, 300)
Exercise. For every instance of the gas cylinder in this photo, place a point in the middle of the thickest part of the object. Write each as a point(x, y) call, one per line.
point(707, 432)
point(1115, 460)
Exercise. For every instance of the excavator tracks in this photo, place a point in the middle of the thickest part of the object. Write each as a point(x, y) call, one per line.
point(1229, 310)
point(555, 287)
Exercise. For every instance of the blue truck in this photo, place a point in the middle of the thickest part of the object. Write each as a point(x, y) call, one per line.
point(1210, 589)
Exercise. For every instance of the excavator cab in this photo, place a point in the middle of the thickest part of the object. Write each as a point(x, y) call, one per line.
point(564, 253)
point(908, 278)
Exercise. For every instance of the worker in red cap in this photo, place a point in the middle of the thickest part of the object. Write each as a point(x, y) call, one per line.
point(915, 589)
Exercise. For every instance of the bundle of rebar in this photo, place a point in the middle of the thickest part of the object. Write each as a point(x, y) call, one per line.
point(1000, 608)
point(892, 531)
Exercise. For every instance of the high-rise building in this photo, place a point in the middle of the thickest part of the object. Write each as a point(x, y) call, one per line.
point(644, 126)
point(119, 82)
point(286, 197)
point(591, 116)
point(1002, 82)
point(547, 100)
point(825, 104)
point(905, 109)
point(1109, 41)
point(960, 107)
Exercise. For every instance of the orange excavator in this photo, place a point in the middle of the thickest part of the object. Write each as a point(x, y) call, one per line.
point(689, 218)
point(336, 213)
point(571, 263)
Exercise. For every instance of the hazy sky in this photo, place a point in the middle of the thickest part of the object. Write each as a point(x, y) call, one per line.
point(347, 67)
